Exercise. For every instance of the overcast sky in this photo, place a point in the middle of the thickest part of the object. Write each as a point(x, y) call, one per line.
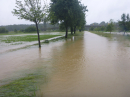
point(99, 10)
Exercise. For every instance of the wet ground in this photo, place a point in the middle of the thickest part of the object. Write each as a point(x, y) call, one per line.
point(84, 66)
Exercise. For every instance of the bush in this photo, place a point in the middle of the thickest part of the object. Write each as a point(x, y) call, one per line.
point(31, 29)
point(3, 30)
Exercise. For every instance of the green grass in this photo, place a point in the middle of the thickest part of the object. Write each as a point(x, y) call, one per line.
point(26, 38)
point(102, 34)
point(76, 34)
point(23, 87)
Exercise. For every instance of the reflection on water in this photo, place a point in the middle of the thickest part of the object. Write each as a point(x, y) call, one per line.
point(88, 66)
point(92, 66)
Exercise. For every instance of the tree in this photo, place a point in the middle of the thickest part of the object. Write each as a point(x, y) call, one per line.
point(3, 30)
point(110, 26)
point(59, 12)
point(78, 16)
point(68, 13)
point(31, 10)
point(103, 28)
point(97, 29)
point(15, 30)
point(125, 22)
point(91, 29)
point(31, 29)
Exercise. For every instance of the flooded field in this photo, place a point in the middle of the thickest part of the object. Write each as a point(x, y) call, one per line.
point(83, 66)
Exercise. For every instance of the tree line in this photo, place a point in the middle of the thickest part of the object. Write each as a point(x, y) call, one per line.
point(3, 30)
point(120, 25)
point(22, 27)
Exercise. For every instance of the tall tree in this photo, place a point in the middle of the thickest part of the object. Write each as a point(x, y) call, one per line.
point(59, 12)
point(110, 26)
point(30, 10)
point(125, 22)
point(66, 12)
point(78, 15)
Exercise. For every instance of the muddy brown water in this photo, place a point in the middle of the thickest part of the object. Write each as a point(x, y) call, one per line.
point(85, 66)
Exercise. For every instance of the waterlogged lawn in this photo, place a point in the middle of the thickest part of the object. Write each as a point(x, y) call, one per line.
point(25, 38)
point(103, 34)
point(23, 87)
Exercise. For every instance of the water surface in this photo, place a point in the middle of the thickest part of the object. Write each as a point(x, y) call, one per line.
point(92, 66)
point(83, 66)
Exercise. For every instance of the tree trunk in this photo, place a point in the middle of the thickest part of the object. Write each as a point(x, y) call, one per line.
point(74, 29)
point(44, 25)
point(71, 30)
point(38, 35)
point(66, 32)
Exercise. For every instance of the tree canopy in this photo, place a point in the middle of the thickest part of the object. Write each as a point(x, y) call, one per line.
point(110, 26)
point(3, 30)
point(125, 22)
point(69, 13)
point(30, 10)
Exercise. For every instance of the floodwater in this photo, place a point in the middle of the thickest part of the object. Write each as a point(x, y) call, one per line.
point(84, 66)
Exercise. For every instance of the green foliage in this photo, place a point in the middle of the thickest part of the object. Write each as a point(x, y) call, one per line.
point(31, 29)
point(125, 22)
point(91, 29)
point(31, 10)
point(69, 13)
point(15, 30)
point(103, 28)
point(110, 26)
point(22, 30)
point(3, 30)
point(97, 29)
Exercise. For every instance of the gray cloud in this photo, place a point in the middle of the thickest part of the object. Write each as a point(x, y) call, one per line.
point(104, 10)
point(99, 10)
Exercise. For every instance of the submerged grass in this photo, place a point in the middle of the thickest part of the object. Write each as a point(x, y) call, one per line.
point(76, 34)
point(127, 37)
point(23, 87)
point(26, 38)
point(110, 35)
point(102, 34)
